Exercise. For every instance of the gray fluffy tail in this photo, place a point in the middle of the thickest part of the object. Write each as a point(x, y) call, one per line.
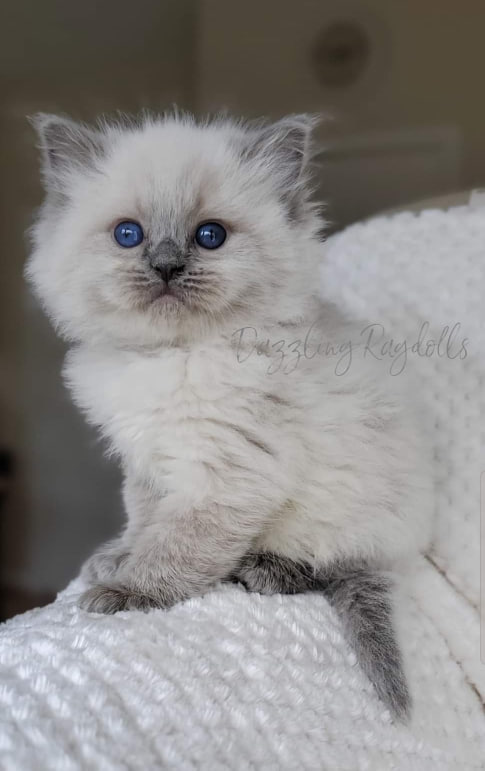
point(362, 599)
point(361, 595)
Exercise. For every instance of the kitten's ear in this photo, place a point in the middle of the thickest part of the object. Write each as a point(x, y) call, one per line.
point(285, 147)
point(66, 146)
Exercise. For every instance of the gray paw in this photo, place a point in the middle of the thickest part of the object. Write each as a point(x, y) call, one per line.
point(255, 580)
point(268, 573)
point(112, 599)
point(103, 565)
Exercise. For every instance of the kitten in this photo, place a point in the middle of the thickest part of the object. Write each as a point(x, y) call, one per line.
point(162, 249)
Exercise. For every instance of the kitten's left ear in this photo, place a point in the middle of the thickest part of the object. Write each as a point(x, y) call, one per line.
point(66, 147)
point(284, 148)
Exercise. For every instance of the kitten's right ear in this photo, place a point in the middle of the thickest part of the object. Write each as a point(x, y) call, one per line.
point(284, 151)
point(66, 146)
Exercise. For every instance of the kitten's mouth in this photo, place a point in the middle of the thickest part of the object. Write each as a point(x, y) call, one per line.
point(165, 295)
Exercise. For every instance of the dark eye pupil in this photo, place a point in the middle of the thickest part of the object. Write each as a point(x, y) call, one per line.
point(211, 235)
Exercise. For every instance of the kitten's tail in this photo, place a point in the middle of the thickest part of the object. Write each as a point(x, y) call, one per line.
point(361, 597)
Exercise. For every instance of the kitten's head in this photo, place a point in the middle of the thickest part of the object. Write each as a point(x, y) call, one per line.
point(163, 228)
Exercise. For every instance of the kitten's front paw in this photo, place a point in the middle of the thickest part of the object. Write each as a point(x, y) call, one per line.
point(103, 565)
point(112, 599)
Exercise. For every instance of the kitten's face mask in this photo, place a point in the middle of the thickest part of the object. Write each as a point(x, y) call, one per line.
point(155, 231)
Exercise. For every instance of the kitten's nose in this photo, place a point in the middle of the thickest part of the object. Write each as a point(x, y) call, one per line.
point(167, 270)
point(167, 260)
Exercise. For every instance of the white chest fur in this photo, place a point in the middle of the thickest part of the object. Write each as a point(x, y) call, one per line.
point(329, 459)
point(179, 407)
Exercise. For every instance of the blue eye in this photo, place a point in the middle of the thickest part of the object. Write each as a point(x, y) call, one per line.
point(128, 234)
point(210, 235)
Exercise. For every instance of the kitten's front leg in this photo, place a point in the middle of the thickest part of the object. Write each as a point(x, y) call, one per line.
point(179, 552)
point(105, 562)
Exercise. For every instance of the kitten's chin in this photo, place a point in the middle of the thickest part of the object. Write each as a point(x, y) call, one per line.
point(168, 301)
point(162, 293)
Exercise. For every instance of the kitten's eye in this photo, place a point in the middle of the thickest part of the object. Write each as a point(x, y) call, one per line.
point(210, 235)
point(128, 234)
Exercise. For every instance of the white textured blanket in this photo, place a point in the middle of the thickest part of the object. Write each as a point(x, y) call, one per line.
point(236, 681)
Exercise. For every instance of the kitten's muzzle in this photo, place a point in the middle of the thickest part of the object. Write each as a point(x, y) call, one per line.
point(167, 271)
point(167, 259)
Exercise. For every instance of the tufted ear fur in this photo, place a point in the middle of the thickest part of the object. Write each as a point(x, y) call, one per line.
point(66, 146)
point(284, 150)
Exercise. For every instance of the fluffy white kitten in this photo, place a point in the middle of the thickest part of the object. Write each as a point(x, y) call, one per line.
point(163, 248)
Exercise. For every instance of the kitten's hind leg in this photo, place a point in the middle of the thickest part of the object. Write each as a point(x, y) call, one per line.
point(362, 598)
point(269, 573)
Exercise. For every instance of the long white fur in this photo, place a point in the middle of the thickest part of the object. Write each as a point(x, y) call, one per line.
point(219, 455)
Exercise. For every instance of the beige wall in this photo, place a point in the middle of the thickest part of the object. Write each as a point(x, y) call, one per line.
point(426, 66)
point(420, 92)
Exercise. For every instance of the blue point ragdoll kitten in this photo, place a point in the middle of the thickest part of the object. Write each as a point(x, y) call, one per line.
point(158, 242)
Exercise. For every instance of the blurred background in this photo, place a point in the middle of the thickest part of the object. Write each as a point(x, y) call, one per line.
point(401, 84)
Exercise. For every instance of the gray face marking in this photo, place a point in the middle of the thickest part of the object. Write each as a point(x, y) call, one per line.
point(167, 259)
point(361, 596)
